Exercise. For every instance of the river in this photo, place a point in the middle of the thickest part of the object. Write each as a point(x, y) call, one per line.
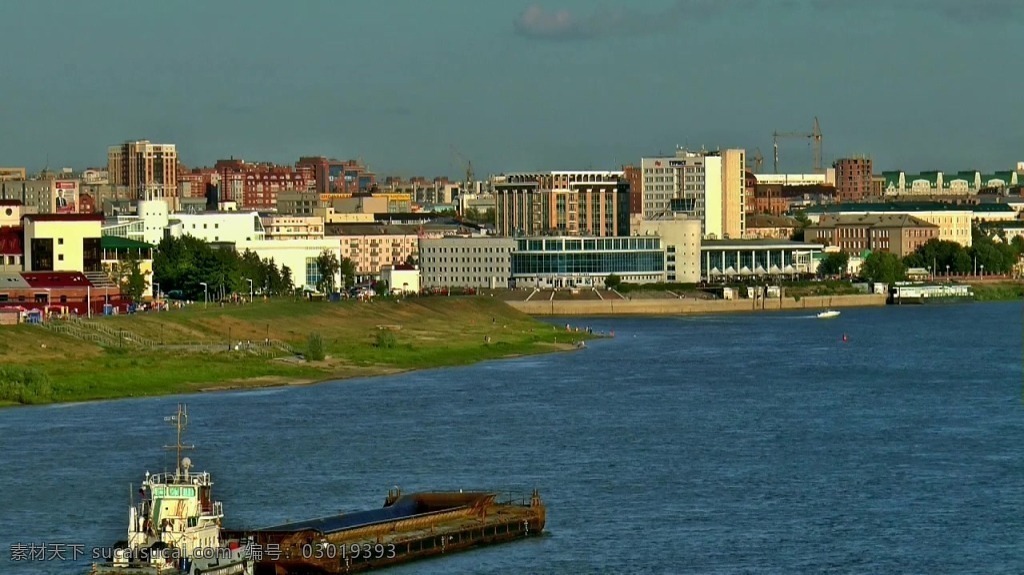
point(748, 443)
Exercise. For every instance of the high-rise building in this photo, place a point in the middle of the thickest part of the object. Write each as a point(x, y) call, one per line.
point(710, 186)
point(339, 177)
point(147, 171)
point(594, 203)
point(634, 175)
point(853, 178)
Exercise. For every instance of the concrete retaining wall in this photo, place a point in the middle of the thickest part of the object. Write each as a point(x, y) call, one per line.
point(691, 306)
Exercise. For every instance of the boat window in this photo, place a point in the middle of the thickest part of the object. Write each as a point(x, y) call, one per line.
point(158, 492)
point(189, 492)
point(175, 491)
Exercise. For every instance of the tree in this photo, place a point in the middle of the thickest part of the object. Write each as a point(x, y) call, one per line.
point(800, 231)
point(287, 283)
point(328, 266)
point(833, 264)
point(612, 281)
point(130, 277)
point(883, 267)
point(348, 272)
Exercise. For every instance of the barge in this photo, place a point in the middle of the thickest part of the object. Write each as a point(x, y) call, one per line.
point(407, 528)
point(175, 528)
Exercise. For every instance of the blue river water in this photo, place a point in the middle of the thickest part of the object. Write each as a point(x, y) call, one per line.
point(753, 443)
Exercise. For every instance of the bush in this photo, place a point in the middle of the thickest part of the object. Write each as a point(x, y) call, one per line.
point(385, 340)
point(24, 385)
point(315, 348)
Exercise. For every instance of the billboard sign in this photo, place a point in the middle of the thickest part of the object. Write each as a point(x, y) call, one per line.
point(65, 197)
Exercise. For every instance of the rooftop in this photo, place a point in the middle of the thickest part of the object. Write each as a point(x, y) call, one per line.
point(889, 207)
point(55, 279)
point(760, 243)
point(770, 221)
point(119, 243)
point(63, 217)
point(873, 220)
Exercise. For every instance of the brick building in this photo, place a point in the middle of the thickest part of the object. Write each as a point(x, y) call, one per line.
point(853, 179)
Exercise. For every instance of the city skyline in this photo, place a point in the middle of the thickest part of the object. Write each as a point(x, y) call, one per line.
point(413, 88)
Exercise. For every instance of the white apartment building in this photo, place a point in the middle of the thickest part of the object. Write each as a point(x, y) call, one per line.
point(709, 186)
point(478, 262)
point(299, 255)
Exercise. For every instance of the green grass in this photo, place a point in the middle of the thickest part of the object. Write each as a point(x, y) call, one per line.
point(358, 339)
point(1004, 291)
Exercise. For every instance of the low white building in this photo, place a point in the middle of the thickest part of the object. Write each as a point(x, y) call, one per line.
point(216, 227)
point(299, 255)
point(401, 279)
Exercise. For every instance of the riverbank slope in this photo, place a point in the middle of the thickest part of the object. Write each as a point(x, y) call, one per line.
point(194, 349)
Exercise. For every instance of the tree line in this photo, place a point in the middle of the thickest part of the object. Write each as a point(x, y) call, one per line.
point(938, 256)
point(184, 263)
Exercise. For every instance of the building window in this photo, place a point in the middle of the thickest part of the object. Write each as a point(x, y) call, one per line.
point(91, 255)
point(42, 254)
point(312, 272)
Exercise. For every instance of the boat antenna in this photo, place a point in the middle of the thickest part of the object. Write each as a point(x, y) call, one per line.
point(181, 422)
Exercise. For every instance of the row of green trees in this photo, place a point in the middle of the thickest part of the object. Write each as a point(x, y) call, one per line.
point(938, 256)
point(183, 264)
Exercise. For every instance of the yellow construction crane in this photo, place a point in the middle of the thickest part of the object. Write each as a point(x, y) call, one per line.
point(814, 136)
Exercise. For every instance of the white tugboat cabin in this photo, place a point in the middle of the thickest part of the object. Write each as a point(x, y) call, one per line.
point(175, 527)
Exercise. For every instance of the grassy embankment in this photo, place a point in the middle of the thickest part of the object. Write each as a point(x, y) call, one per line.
point(1001, 291)
point(40, 366)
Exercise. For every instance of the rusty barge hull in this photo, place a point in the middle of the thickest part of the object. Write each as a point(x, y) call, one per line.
point(407, 528)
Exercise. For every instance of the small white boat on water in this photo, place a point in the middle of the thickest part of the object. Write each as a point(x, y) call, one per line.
point(175, 527)
point(828, 314)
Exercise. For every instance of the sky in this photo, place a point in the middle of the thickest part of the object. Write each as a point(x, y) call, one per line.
point(413, 87)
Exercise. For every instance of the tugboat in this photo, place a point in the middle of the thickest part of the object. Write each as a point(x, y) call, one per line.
point(175, 528)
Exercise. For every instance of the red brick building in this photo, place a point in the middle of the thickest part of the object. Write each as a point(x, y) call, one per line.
point(750, 193)
point(634, 175)
point(256, 185)
point(337, 176)
point(853, 179)
point(57, 292)
point(196, 183)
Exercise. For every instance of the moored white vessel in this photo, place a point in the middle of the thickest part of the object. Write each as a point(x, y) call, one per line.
point(175, 527)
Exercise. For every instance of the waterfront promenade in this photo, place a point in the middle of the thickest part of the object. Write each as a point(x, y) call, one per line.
point(609, 307)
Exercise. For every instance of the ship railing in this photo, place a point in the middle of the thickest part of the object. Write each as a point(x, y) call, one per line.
point(170, 478)
point(516, 497)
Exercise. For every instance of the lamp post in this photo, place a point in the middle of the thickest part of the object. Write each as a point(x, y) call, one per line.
point(156, 287)
point(206, 296)
point(250, 288)
point(982, 270)
point(947, 272)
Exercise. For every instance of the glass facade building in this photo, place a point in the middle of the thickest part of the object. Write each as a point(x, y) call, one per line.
point(586, 262)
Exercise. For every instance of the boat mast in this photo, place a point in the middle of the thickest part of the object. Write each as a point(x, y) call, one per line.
point(181, 421)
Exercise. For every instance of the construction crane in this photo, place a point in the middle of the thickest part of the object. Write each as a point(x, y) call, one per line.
point(814, 136)
point(758, 160)
point(469, 169)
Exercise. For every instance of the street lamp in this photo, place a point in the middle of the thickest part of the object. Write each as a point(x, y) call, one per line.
point(947, 272)
point(206, 295)
point(250, 288)
point(982, 270)
point(156, 287)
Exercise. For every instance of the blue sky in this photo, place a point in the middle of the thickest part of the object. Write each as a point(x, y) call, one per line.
point(513, 85)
